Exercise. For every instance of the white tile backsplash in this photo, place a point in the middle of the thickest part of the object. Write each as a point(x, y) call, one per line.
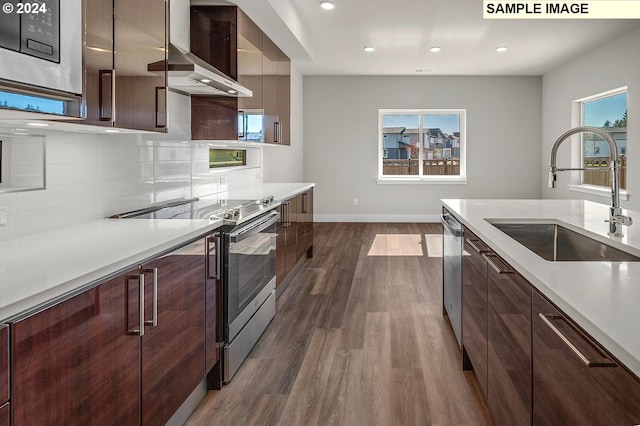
point(95, 176)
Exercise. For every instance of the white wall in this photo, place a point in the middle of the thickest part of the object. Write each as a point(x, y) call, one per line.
point(94, 176)
point(610, 66)
point(284, 163)
point(341, 142)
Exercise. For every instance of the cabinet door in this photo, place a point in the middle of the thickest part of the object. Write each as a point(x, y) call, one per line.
point(213, 312)
point(281, 245)
point(270, 58)
point(284, 99)
point(77, 362)
point(572, 389)
point(214, 117)
point(5, 412)
point(98, 63)
point(173, 345)
point(250, 109)
point(474, 307)
point(4, 363)
point(140, 39)
point(308, 206)
point(292, 233)
point(509, 344)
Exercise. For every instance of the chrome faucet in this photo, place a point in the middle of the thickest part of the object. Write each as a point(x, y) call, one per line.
point(616, 218)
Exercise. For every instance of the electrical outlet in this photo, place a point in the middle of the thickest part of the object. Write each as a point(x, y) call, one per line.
point(355, 201)
point(3, 216)
point(223, 180)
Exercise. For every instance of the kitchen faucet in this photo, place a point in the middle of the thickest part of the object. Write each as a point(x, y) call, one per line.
point(616, 218)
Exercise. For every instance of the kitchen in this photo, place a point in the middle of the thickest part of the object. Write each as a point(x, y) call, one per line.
point(92, 174)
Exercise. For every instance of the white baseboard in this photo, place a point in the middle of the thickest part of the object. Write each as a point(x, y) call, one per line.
point(377, 218)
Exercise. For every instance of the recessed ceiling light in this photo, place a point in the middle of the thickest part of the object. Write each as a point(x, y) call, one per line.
point(435, 49)
point(369, 48)
point(327, 5)
point(233, 92)
point(112, 131)
point(205, 80)
point(422, 71)
point(501, 49)
point(37, 124)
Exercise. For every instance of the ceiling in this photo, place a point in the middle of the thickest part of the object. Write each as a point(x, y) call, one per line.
point(331, 42)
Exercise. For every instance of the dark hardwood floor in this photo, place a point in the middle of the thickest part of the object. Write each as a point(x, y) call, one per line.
point(358, 339)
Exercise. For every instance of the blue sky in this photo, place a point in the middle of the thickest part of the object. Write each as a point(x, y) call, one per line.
point(448, 123)
point(21, 101)
point(611, 108)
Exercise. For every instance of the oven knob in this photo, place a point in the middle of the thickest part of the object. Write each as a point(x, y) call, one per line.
point(236, 212)
point(268, 199)
point(228, 214)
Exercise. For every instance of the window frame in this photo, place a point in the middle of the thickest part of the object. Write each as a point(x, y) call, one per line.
point(420, 178)
point(579, 116)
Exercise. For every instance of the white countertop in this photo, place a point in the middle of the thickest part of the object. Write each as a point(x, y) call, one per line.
point(40, 268)
point(602, 297)
point(280, 191)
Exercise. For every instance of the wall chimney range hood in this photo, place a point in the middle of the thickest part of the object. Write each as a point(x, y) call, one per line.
point(190, 75)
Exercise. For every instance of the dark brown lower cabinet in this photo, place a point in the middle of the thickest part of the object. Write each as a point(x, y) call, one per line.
point(173, 346)
point(5, 414)
point(474, 308)
point(4, 364)
point(294, 233)
point(572, 389)
point(78, 362)
point(103, 357)
point(509, 344)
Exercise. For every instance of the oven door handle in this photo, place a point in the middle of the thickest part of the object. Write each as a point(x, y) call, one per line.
point(254, 228)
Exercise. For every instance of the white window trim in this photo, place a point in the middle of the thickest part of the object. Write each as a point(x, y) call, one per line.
point(578, 158)
point(419, 179)
point(600, 191)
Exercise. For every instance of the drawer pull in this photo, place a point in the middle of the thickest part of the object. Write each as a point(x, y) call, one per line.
point(604, 362)
point(502, 269)
point(478, 246)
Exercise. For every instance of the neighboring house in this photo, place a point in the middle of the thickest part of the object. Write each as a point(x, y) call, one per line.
point(398, 142)
point(600, 147)
point(441, 145)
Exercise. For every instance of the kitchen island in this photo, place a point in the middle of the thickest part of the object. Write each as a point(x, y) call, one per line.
point(601, 297)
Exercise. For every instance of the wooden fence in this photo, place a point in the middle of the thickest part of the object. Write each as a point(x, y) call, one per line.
point(599, 173)
point(440, 167)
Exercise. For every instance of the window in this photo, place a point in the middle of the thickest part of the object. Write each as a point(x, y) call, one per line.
point(609, 112)
point(421, 145)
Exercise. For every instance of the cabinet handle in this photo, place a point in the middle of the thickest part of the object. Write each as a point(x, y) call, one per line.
point(477, 247)
point(140, 330)
point(304, 202)
point(288, 214)
point(500, 269)
point(275, 132)
point(216, 248)
point(604, 362)
point(154, 301)
point(242, 127)
point(106, 111)
point(161, 103)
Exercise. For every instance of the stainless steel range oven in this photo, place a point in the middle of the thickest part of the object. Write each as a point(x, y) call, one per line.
point(248, 261)
point(249, 283)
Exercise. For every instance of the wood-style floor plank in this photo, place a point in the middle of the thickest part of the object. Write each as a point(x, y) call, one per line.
point(358, 339)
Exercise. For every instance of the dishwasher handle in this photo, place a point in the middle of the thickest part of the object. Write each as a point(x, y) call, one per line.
point(451, 225)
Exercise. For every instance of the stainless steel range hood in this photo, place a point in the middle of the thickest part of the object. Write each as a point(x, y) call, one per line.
point(191, 75)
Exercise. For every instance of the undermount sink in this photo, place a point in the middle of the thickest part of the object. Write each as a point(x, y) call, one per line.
point(556, 243)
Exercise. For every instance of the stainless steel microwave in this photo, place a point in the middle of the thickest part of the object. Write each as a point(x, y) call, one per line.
point(40, 56)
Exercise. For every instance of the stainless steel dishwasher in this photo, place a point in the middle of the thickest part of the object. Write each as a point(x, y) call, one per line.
point(452, 271)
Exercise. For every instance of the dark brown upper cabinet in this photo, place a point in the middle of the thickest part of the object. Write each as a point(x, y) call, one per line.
point(122, 39)
point(226, 37)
